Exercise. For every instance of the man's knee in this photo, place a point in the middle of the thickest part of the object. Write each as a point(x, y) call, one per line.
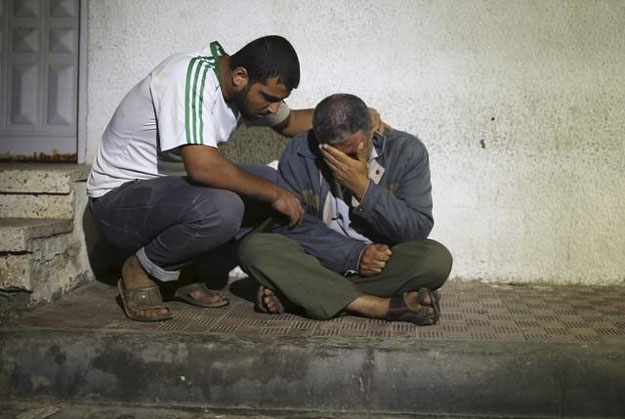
point(435, 260)
point(440, 260)
point(219, 213)
point(258, 246)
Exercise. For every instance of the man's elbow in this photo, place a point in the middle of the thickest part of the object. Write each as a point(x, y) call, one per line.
point(199, 175)
point(419, 231)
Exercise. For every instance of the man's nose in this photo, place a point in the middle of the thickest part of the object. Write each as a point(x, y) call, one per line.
point(273, 108)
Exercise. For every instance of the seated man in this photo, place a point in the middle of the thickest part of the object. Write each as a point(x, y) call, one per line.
point(362, 245)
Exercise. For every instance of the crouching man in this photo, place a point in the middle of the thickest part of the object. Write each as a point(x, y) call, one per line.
point(362, 246)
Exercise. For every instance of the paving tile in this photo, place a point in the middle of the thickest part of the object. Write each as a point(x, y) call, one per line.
point(470, 311)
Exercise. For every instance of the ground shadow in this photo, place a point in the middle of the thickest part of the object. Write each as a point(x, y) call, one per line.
point(245, 288)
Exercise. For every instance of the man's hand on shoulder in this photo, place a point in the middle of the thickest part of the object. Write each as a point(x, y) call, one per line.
point(374, 259)
point(377, 125)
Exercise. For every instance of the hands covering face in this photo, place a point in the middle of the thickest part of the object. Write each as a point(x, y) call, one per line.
point(349, 171)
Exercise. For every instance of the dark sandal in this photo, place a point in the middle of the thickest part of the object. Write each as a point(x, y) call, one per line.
point(399, 311)
point(260, 305)
point(184, 294)
point(437, 303)
point(134, 301)
point(434, 302)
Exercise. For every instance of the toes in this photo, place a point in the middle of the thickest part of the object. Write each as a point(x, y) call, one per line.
point(432, 315)
point(213, 299)
point(269, 303)
point(154, 312)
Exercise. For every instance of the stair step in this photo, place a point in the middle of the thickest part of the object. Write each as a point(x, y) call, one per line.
point(42, 241)
point(37, 206)
point(15, 272)
point(38, 178)
point(15, 233)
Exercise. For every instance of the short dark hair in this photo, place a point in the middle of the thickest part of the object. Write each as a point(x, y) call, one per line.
point(338, 116)
point(267, 57)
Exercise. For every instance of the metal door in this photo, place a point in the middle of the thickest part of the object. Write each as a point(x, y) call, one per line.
point(39, 79)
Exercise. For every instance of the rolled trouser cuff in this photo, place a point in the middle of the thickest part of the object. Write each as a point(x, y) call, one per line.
point(154, 270)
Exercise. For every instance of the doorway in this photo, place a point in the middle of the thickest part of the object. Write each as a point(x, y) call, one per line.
point(40, 94)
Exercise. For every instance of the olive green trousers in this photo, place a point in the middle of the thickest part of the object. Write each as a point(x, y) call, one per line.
point(281, 264)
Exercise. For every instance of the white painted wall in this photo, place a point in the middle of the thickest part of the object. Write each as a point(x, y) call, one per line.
point(521, 104)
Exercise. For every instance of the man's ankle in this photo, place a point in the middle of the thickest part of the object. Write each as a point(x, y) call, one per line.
point(134, 275)
point(370, 306)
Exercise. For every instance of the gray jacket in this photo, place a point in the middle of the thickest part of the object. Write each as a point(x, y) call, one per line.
point(396, 207)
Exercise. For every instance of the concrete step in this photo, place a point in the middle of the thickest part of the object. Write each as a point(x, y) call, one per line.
point(56, 410)
point(42, 242)
point(498, 352)
point(27, 247)
point(16, 233)
point(36, 178)
point(39, 190)
point(37, 206)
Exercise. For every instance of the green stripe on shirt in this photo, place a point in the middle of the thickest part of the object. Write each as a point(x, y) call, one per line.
point(186, 100)
point(201, 102)
point(194, 98)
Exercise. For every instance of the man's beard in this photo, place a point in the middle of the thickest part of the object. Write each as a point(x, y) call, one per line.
point(239, 103)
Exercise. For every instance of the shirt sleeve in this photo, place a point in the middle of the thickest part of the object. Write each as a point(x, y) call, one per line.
point(184, 97)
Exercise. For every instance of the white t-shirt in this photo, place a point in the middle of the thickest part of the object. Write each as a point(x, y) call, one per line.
point(178, 103)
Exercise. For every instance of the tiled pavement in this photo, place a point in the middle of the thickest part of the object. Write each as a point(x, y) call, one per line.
point(470, 311)
point(498, 351)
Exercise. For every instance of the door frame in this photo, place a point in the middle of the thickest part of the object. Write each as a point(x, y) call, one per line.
point(83, 63)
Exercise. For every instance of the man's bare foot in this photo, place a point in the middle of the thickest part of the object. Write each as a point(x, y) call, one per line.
point(270, 301)
point(370, 306)
point(135, 278)
point(267, 301)
point(412, 301)
point(198, 294)
point(208, 299)
point(378, 307)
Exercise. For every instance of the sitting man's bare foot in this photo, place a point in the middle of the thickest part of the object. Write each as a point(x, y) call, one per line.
point(135, 279)
point(267, 302)
point(416, 302)
point(198, 294)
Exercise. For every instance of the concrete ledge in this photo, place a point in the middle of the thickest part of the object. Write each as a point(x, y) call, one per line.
point(41, 178)
point(37, 206)
point(339, 374)
point(16, 272)
point(16, 232)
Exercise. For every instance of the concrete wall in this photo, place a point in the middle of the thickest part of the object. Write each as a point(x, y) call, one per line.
point(521, 104)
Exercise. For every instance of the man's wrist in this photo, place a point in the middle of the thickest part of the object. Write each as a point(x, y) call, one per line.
point(362, 190)
point(274, 193)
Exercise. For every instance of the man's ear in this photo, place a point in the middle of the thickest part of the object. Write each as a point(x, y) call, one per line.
point(240, 79)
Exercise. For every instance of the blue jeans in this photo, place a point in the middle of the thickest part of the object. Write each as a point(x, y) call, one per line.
point(169, 221)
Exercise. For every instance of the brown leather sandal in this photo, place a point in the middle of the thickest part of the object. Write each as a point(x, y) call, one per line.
point(437, 304)
point(184, 294)
point(434, 301)
point(399, 311)
point(134, 301)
